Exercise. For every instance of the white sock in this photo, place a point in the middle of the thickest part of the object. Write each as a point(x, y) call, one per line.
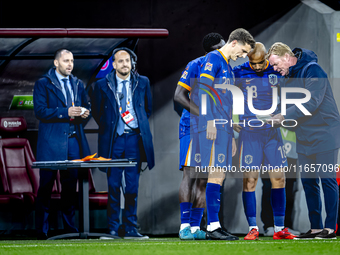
point(214, 225)
point(316, 231)
point(279, 228)
point(184, 225)
point(193, 229)
point(251, 227)
point(330, 231)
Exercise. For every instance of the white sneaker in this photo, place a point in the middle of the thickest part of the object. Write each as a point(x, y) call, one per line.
point(269, 231)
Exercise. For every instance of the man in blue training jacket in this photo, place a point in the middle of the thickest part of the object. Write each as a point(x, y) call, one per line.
point(317, 133)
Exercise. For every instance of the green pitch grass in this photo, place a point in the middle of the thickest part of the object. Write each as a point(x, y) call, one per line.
point(156, 246)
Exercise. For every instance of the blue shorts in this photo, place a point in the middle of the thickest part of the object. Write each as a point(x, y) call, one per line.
point(261, 148)
point(216, 152)
point(189, 154)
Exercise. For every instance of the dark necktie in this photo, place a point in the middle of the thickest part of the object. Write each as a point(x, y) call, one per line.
point(69, 104)
point(68, 94)
point(123, 100)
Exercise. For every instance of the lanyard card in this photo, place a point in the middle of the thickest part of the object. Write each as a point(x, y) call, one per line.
point(127, 117)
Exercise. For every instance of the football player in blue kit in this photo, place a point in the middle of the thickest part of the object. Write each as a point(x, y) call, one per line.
point(192, 203)
point(260, 145)
point(217, 145)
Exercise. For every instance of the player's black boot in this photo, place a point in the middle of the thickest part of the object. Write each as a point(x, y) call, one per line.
point(220, 234)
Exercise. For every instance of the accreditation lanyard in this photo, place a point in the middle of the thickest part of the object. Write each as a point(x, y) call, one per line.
point(127, 116)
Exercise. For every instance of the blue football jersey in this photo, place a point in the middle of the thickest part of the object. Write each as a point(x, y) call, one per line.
point(215, 69)
point(260, 85)
point(188, 81)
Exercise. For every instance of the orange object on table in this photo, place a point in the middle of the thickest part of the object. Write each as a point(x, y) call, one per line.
point(91, 157)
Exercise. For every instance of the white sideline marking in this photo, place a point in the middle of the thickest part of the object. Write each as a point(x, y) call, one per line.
point(161, 243)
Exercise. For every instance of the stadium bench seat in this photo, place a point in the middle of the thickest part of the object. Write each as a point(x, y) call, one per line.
point(18, 179)
point(19, 182)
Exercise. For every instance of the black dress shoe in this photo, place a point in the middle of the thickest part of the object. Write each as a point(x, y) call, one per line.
point(307, 236)
point(220, 234)
point(42, 236)
point(324, 234)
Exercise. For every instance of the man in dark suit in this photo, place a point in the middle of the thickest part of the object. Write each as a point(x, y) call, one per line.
point(61, 105)
point(317, 133)
point(121, 105)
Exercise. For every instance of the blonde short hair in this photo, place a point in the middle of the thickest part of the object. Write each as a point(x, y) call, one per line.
point(279, 49)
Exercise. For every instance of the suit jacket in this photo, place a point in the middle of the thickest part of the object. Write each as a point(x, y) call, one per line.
point(106, 113)
point(320, 131)
point(52, 112)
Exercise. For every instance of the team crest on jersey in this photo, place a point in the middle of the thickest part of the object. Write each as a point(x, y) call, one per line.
point(208, 66)
point(198, 157)
point(248, 159)
point(221, 158)
point(272, 79)
point(184, 75)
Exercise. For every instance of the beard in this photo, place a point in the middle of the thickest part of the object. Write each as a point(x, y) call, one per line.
point(64, 72)
point(123, 73)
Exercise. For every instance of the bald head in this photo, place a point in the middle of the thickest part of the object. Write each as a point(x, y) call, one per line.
point(257, 57)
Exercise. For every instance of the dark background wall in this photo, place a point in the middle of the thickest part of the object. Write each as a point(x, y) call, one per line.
point(187, 22)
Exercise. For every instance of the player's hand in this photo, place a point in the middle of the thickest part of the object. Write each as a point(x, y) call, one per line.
point(211, 130)
point(234, 147)
point(237, 128)
point(276, 120)
point(74, 111)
